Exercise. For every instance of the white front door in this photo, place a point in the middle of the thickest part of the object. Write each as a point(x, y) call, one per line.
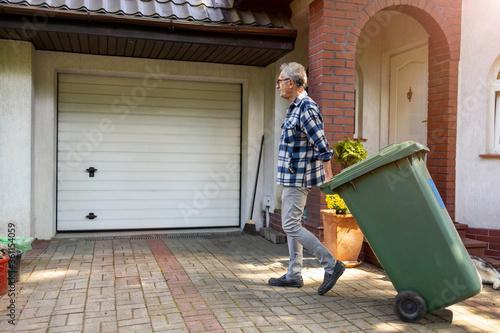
point(408, 96)
point(139, 153)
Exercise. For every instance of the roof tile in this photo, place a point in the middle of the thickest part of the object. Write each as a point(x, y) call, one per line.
point(194, 11)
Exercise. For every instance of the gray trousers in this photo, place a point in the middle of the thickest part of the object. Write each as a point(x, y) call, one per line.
point(293, 202)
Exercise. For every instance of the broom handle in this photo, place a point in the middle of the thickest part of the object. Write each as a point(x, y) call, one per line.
point(257, 177)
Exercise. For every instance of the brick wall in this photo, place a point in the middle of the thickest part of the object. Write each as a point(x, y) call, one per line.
point(275, 221)
point(490, 236)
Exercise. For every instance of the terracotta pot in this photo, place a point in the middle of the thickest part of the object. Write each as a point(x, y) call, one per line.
point(343, 237)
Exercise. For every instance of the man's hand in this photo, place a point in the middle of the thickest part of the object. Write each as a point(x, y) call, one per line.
point(327, 166)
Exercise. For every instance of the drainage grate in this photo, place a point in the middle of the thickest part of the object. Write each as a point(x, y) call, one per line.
point(181, 236)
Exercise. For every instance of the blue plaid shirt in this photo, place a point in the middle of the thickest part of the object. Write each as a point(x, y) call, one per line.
point(303, 146)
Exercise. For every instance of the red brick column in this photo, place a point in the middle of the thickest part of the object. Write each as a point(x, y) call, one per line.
point(331, 80)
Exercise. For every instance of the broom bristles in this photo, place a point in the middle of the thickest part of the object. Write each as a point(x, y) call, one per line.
point(250, 228)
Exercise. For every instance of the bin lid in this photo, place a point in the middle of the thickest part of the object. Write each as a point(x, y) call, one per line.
point(385, 156)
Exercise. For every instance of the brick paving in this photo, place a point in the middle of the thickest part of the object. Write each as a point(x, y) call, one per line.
point(208, 283)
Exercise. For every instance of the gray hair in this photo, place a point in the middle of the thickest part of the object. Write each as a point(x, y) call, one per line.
point(295, 72)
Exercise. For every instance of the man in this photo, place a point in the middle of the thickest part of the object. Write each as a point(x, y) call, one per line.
point(303, 162)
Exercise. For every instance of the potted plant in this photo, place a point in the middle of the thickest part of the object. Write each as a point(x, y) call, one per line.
point(348, 152)
point(343, 237)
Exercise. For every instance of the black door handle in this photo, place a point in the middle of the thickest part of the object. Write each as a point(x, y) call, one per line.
point(91, 171)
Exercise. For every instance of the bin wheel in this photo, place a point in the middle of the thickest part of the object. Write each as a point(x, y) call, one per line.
point(409, 306)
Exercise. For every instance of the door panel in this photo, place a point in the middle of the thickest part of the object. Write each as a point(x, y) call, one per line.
point(408, 96)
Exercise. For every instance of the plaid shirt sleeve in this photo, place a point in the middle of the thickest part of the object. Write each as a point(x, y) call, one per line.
point(303, 145)
point(311, 123)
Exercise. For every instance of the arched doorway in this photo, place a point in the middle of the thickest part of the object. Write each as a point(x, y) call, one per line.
point(392, 55)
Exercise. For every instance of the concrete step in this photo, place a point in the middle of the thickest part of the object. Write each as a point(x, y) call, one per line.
point(272, 235)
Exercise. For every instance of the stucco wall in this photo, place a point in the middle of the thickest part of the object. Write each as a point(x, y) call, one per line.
point(21, 150)
point(478, 179)
point(16, 140)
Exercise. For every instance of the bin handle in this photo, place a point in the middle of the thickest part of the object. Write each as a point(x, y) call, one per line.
point(354, 187)
point(389, 149)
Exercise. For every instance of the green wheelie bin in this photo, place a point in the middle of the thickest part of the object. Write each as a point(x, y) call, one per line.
point(394, 200)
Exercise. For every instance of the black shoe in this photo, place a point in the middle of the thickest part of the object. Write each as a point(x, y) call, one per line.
point(284, 282)
point(330, 279)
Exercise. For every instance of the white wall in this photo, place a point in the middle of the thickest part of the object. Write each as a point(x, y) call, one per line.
point(477, 179)
point(16, 139)
point(21, 149)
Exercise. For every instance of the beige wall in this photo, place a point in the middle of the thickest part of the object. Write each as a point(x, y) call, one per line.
point(16, 137)
point(478, 179)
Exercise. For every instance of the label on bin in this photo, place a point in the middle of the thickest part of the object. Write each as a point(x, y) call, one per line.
point(436, 193)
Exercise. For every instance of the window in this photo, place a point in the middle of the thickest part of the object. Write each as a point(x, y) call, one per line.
point(495, 115)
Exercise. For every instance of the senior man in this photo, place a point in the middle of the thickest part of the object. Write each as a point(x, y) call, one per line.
point(303, 163)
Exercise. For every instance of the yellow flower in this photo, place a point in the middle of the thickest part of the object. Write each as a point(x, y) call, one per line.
point(336, 202)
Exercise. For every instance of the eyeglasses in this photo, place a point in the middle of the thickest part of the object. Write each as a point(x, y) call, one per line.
point(278, 82)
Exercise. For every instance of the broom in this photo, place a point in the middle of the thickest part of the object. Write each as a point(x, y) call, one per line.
point(250, 224)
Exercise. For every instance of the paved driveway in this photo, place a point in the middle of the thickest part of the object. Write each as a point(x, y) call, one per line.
point(207, 283)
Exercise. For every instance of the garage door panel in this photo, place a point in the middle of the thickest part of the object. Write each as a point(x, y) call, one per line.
point(91, 132)
point(171, 162)
point(140, 109)
point(154, 213)
point(103, 175)
point(132, 185)
point(151, 119)
point(87, 129)
point(125, 224)
point(146, 82)
point(116, 101)
point(71, 138)
point(209, 163)
point(158, 92)
point(167, 214)
point(158, 125)
point(74, 161)
point(224, 200)
point(192, 197)
point(178, 217)
point(146, 149)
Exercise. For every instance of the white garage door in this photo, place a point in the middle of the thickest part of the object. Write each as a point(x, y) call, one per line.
point(144, 153)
